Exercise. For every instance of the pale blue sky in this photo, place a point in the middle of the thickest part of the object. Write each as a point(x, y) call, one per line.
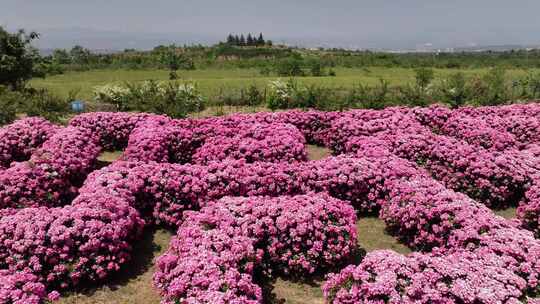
point(376, 23)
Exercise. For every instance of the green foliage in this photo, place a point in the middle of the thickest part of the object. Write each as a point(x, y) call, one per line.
point(413, 95)
point(453, 90)
point(528, 87)
point(316, 69)
point(281, 94)
point(251, 40)
point(494, 87)
point(175, 99)
point(174, 60)
point(44, 104)
point(253, 96)
point(291, 94)
point(8, 104)
point(289, 67)
point(17, 58)
point(80, 55)
point(424, 77)
point(61, 56)
point(370, 97)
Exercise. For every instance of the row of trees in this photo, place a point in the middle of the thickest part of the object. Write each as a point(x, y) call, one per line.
point(249, 40)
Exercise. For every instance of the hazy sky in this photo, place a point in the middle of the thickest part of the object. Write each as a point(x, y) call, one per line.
point(374, 23)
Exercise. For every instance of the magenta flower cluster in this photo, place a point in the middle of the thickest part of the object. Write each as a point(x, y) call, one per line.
point(51, 175)
point(495, 178)
point(472, 256)
point(218, 248)
point(245, 202)
point(20, 139)
point(257, 142)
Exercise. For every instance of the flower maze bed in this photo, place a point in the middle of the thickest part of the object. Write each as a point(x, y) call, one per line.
point(258, 213)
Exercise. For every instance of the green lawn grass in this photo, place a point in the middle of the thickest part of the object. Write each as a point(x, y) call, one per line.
point(212, 80)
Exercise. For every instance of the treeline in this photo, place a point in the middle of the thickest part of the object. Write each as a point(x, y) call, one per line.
point(248, 40)
point(266, 57)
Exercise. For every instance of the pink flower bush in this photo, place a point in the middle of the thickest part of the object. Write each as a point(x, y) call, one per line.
point(216, 250)
point(245, 202)
point(81, 242)
point(258, 142)
point(495, 178)
point(461, 277)
point(161, 141)
point(19, 139)
point(208, 266)
point(528, 211)
point(313, 124)
point(113, 129)
point(53, 172)
point(479, 132)
point(361, 124)
point(21, 288)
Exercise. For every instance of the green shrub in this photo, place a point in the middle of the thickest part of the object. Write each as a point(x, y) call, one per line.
point(453, 90)
point(314, 96)
point(8, 104)
point(316, 69)
point(281, 94)
point(44, 104)
point(289, 67)
point(414, 95)
point(424, 77)
point(370, 97)
point(496, 92)
point(176, 99)
point(253, 96)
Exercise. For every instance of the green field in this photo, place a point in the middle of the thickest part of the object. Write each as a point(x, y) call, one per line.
point(211, 81)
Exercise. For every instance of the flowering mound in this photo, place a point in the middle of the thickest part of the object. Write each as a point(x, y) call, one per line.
point(463, 277)
point(247, 205)
point(50, 176)
point(497, 179)
point(259, 142)
point(217, 249)
point(20, 139)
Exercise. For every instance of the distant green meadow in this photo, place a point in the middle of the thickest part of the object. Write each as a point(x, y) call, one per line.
point(212, 81)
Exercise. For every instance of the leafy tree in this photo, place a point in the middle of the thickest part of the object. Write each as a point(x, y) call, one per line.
point(17, 58)
point(242, 40)
point(249, 40)
point(61, 56)
point(174, 61)
point(80, 55)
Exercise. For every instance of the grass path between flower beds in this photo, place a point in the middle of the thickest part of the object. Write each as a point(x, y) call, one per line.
point(134, 283)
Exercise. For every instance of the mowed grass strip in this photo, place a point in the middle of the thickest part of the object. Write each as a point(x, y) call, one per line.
point(213, 80)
